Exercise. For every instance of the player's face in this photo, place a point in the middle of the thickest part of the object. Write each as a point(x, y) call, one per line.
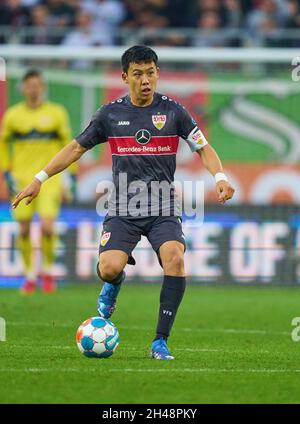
point(142, 79)
point(33, 89)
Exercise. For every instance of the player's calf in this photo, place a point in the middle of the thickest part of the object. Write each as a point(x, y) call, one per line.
point(108, 295)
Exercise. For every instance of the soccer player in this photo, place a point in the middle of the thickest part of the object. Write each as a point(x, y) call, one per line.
point(32, 132)
point(143, 130)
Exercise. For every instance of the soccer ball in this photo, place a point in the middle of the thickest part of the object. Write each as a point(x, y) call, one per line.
point(97, 337)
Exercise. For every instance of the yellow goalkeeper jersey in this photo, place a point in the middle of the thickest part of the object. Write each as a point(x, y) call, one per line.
point(30, 137)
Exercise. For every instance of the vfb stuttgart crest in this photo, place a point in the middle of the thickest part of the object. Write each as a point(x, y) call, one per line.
point(104, 239)
point(143, 136)
point(159, 121)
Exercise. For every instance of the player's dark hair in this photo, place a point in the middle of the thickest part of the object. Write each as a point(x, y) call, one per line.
point(31, 73)
point(138, 54)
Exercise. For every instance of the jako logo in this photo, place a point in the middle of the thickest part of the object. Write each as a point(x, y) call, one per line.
point(124, 123)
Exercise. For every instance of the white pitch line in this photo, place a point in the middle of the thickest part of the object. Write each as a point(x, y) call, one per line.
point(151, 370)
point(40, 346)
point(39, 324)
point(187, 349)
point(200, 330)
point(234, 330)
point(144, 349)
point(127, 348)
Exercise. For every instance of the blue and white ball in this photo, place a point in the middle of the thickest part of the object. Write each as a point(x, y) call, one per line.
point(97, 337)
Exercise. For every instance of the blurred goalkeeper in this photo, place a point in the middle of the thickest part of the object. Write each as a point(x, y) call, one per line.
point(32, 132)
point(143, 130)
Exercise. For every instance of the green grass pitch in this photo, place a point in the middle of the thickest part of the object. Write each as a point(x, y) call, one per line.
point(232, 345)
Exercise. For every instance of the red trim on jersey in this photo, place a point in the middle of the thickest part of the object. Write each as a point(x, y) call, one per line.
point(163, 145)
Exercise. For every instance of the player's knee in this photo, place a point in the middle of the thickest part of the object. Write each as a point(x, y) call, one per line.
point(108, 271)
point(24, 234)
point(47, 231)
point(174, 263)
point(24, 229)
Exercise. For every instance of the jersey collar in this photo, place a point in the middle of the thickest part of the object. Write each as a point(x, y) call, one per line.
point(155, 100)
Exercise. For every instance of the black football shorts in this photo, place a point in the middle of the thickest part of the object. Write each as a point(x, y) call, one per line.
point(121, 233)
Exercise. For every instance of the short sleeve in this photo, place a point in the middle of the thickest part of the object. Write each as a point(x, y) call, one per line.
point(189, 130)
point(95, 133)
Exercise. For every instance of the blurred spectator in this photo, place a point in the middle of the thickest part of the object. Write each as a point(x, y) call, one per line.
point(149, 19)
point(30, 3)
point(61, 12)
point(152, 21)
point(208, 23)
point(267, 17)
point(132, 9)
point(39, 20)
point(13, 13)
point(108, 15)
point(294, 14)
point(293, 23)
point(181, 13)
point(211, 6)
point(83, 35)
point(178, 13)
point(149, 23)
point(159, 6)
point(152, 17)
point(233, 13)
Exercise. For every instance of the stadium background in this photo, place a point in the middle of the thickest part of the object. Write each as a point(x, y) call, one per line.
point(232, 63)
point(247, 109)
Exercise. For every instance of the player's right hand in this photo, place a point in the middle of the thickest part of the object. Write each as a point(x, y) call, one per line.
point(29, 192)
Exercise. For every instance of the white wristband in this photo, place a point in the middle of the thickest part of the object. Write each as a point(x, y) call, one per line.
point(220, 176)
point(42, 176)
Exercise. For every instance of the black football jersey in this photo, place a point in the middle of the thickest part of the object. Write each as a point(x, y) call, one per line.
point(144, 142)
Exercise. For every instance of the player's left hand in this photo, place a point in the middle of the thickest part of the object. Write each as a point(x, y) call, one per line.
point(224, 190)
